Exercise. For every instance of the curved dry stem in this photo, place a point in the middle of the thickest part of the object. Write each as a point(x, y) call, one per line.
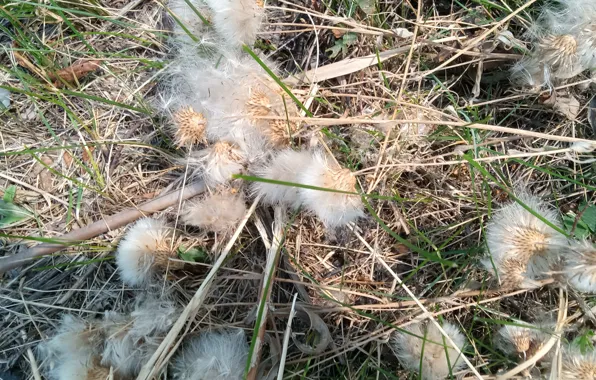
point(102, 226)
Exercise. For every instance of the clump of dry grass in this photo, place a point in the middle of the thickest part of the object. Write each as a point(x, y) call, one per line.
point(432, 181)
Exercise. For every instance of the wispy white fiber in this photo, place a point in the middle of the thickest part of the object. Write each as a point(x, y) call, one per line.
point(522, 340)
point(217, 163)
point(217, 355)
point(578, 366)
point(285, 166)
point(334, 209)
point(424, 350)
point(143, 251)
point(237, 21)
point(73, 352)
point(515, 235)
point(580, 266)
point(131, 340)
point(219, 212)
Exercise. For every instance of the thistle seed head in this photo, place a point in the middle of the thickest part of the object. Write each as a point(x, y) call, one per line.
point(191, 127)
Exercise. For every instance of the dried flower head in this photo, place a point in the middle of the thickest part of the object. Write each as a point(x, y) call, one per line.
point(424, 350)
point(237, 21)
point(580, 266)
point(333, 208)
point(220, 212)
point(515, 233)
point(132, 340)
point(218, 163)
point(218, 355)
point(560, 54)
point(190, 127)
point(512, 273)
point(521, 341)
point(264, 101)
point(578, 366)
point(144, 251)
point(285, 166)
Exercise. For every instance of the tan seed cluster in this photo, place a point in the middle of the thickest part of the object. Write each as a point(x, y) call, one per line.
point(191, 127)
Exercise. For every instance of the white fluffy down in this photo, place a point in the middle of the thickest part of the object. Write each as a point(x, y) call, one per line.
point(217, 165)
point(217, 355)
point(334, 209)
point(432, 356)
point(131, 340)
point(507, 235)
point(136, 252)
point(71, 352)
point(217, 212)
point(580, 266)
point(285, 166)
point(237, 21)
point(190, 20)
point(578, 366)
point(520, 340)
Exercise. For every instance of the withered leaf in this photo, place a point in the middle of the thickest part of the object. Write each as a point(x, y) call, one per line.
point(74, 72)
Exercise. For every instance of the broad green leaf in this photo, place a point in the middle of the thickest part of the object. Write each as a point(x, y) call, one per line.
point(350, 39)
point(11, 214)
point(589, 217)
point(335, 49)
point(10, 193)
point(193, 255)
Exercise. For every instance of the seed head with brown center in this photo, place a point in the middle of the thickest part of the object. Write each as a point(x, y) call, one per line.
point(190, 127)
point(560, 53)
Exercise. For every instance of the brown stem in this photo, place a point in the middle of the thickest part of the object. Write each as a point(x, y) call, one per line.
point(102, 226)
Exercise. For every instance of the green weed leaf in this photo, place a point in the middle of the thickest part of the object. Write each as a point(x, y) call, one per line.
point(10, 193)
point(11, 214)
point(193, 255)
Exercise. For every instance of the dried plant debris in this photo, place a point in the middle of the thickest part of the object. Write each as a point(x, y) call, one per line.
point(389, 124)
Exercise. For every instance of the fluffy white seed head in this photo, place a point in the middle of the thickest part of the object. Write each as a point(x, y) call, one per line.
point(237, 21)
point(218, 355)
point(131, 340)
point(73, 352)
point(578, 366)
point(564, 43)
point(561, 54)
point(267, 99)
point(218, 163)
point(515, 233)
point(427, 352)
point(334, 209)
point(512, 273)
point(580, 266)
point(220, 212)
point(144, 251)
point(284, 166)
point(521, 341)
